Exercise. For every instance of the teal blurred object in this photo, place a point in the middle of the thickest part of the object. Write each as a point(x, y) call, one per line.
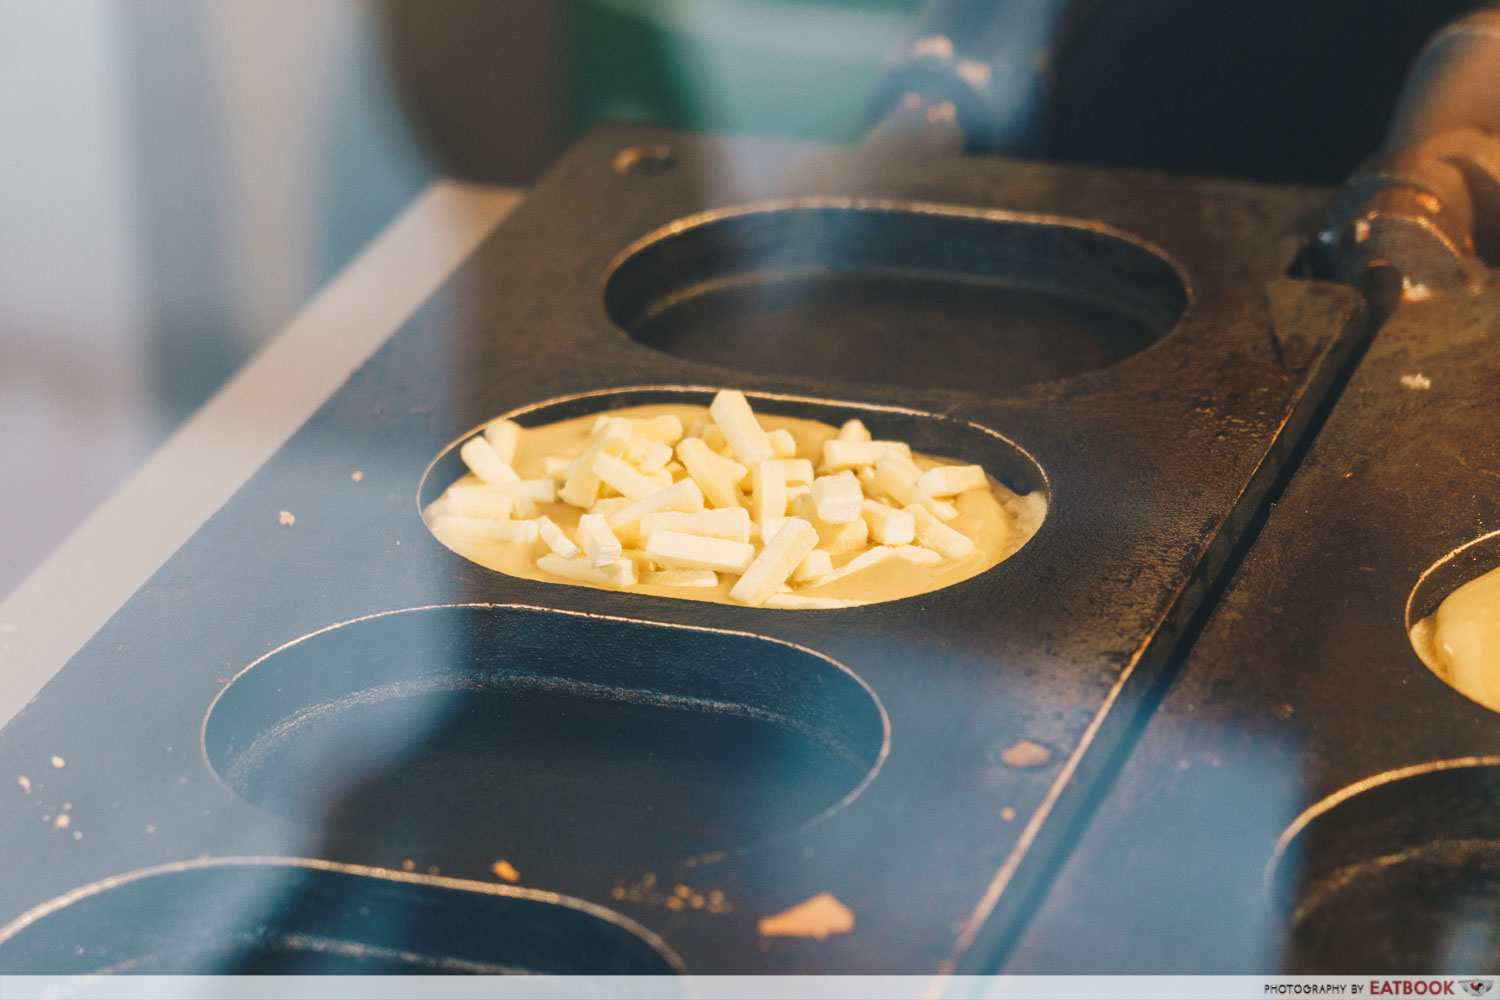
point(796, 68)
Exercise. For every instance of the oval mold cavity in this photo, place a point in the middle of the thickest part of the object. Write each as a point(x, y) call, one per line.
point(556, 741)
point(927, 433)
point(1459, 567)
point(897, 293)
point(297, 917)
point(1401, 878)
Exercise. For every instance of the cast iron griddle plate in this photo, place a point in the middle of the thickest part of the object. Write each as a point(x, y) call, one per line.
point(1303, 689)
point(1153, 462)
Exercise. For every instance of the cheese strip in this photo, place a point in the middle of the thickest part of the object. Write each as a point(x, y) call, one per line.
point(897, 478)
point(683, 497)
point(854, 430)
point(934, 534)
point(813, 565)
point(775, 563)
point(598, 542)
point(664, 429)
point(891, 480)
point(479, 455)
point(643, 563)
point(676, 550)
point(732, 523)
point(769, 499)
point(555, 467)
point(783, 445)
point(718, 477)
point(732, 414)
point(902, 463)
point(620, 573)
point(764, 531)
point(656, 458)
point(490, 530)
point(608, 507)
point(557, 540)
point(798, 471)
point(918, 555)
point(681, 578)
point(946, 480)
point(617, 473)
point(839, 455)
point(888, 526)
point(863, 561)
point(478, 501)
point(809, 602)
point(504, 436)
point(582, 486)
point(535, 490)
point(836, 538)
point(838, 497)
point(636, 447)
point(710, 435)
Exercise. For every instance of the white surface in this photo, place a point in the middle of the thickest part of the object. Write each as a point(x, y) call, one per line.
point(63, 602)
point(176, 181)
point(71, 301)
point(727, 987)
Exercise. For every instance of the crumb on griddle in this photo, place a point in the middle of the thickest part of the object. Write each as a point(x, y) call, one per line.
point(1026, 753)
point(815, 918)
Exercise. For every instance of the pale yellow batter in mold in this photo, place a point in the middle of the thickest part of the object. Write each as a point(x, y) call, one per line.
point(996, 519)
point(1460, 642)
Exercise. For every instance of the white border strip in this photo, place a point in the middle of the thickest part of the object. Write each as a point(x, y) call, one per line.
point(55, 610)
point(729, 987)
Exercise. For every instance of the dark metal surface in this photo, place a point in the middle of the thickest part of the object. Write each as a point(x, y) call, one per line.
point(964, 299)
point(1310, 796)
point(290, 916)
point(1153, 464)
point(474, 734)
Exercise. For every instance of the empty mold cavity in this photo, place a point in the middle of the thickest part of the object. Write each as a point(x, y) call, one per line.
point(999, 524)
point(1400, 877)
point(1472, 674)
point(462, 734)
point(287, 916)
point(898, 293)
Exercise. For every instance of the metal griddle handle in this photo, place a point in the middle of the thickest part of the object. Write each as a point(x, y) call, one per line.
point(1427, 208)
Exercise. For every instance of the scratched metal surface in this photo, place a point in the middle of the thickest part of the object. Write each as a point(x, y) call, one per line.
point(1304, 710)
point(1153, 461)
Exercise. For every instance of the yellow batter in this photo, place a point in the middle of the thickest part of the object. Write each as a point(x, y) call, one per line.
point(1461, 640)
point(997, 520)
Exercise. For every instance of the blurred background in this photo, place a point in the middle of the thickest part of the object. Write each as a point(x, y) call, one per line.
point(177, 178)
